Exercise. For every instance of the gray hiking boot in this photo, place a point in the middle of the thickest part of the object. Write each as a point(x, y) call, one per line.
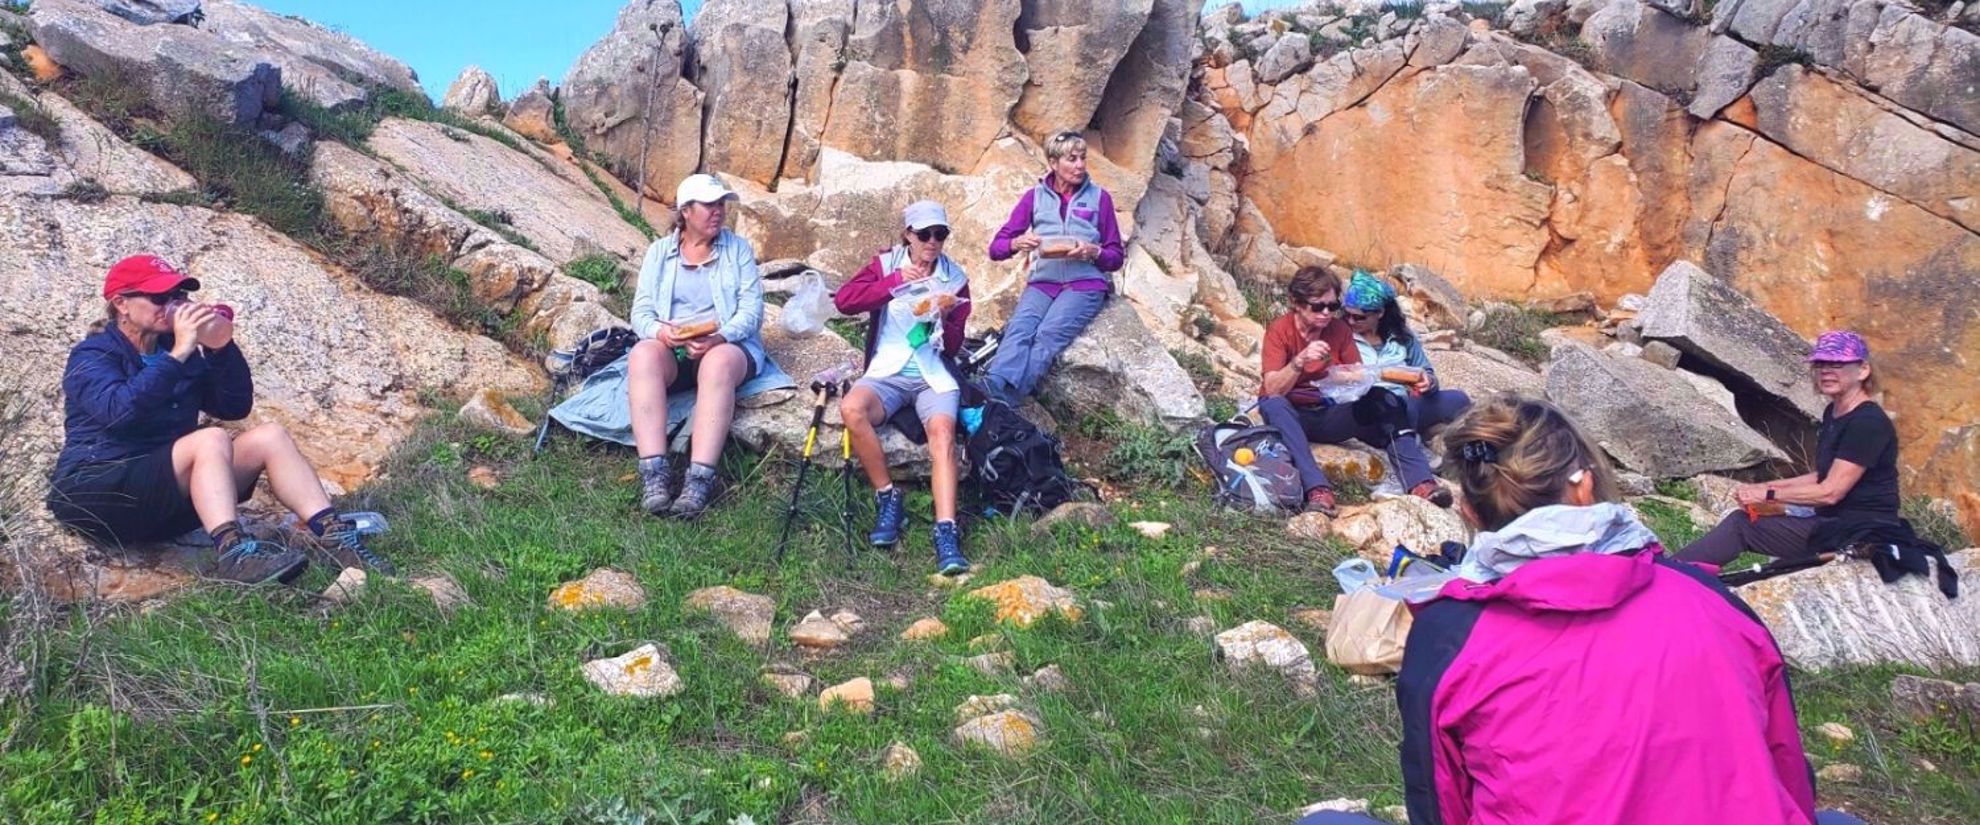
point(255, 561)
point(697, 492)
point(656, 482)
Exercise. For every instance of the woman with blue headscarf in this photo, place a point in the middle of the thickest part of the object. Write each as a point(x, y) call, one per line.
point(1386, 343)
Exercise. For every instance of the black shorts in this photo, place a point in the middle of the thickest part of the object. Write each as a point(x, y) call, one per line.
point(688, 370)
point(129, 501)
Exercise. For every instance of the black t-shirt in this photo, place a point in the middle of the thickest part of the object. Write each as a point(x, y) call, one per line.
point(1864, 436)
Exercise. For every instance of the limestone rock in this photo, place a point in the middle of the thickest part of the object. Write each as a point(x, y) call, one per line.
point(1026, 599)
point(1840, 772)
point(1314, 619)
point(928, 82)
point(1702, 315)
point(330, 68)
point(1843, 614)
point(745, 68)
point(532, 114)
point(900, 762)
point(1661, 354)
point(488, 410)
point(153, 12)
point(638, 672)
point(1073, 49)
point(1118, 365)
point(976, 706)
point(346, 589)
point(1287, 55)
point(1375, 530)
point(1441, 303)
point(817, 632)
point(1049, 679)
point(650, 128)
point(818, 40)
point(748, 615)
point(1086, 514)
point(1263, 643)
point(89, 148)
point(473, 93)
point(1151, 529)
point(1953, 470)
point(1925, 699)
point(603, 587)
point(1725, 72)
point(1342, 805)
point(1313, 527)
point(925, 629)
point(998, 663)
point(1006, 733)
point(1638, 41)
point(1917, 62)
point(1481, 376)
point(182, 68)
point(855, 696)
point(1650, 419)
point(790, 684)
point(1836, 732)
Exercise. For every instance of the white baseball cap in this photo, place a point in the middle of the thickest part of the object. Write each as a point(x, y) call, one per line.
point(703, 188)
point(924, 214)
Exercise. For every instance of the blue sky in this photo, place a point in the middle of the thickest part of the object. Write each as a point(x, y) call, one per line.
point(515, 41)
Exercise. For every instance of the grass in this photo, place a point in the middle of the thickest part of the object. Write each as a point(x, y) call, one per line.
point(1935, 525)
point(30, 116)
point(233, 705)
point(603, 271)
point(497, 221)
point(430, 281)
point(354, 126)
point(84, 190)
point(1683, 489)
point(1672, 525)
point(1201, 371)
point(1263, 302)
point(585, 160)
point(1516, 330)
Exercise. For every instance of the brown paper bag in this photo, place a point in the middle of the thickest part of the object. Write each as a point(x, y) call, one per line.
point(1368, 632)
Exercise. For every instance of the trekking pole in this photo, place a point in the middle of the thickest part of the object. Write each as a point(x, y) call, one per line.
point(846, 500)
point(543, 430)
point(819, 393)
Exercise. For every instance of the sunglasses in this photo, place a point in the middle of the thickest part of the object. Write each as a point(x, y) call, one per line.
point(161, 298)
point(1322, 306)
point(1358, 317)
point(933, 233)
point(1834, 366)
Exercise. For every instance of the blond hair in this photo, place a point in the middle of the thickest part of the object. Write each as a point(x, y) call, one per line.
point(1514, 454)
point(1063, 143)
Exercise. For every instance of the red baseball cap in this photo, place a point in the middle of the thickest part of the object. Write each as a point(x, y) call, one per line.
point(145, 273)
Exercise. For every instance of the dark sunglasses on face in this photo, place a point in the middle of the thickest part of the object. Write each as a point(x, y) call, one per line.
point(1357, 317)
point(161, 298)
point(933, 233)
point(1322, 306)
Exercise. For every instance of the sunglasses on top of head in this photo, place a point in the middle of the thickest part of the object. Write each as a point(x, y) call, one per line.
point(932, 233)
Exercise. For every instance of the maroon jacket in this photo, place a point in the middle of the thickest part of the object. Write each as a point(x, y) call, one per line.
point(870, 290)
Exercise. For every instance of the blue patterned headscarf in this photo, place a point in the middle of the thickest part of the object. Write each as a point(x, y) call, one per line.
point(1366, 293)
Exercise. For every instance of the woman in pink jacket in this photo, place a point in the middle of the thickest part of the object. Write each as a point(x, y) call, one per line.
point(1547, 682)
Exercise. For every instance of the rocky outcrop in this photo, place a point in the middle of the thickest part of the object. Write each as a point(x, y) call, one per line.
point(626, 99)
point(84, 149)
point(183, 69)
point(533, 114)
point(1843, 614)
point(1147, 89)
point(473, 93)
point(1650, 419)
point(333, 69)
point(819, 30)
point(1702, 316)
point(1071, 50)
point(1118, 366)
point(744, 66)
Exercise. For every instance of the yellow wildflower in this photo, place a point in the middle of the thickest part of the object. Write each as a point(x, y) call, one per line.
point(257, 747)
point(245, 759)
point(467, 774)
point(294, 721)
point(487, 755)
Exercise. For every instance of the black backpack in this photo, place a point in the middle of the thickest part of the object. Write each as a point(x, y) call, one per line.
point(1251, 466)
point(1014, 467)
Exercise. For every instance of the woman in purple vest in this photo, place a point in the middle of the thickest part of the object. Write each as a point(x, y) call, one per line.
point(1066, 224)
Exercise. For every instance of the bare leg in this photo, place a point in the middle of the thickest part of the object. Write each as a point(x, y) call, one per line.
point(722, 370)
point(203, 462)
point(861, 412)
point(942, 460)
point(649, 369)
point(269, 447)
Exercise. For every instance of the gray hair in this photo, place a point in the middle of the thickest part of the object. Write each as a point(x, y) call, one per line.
point(1063, 143)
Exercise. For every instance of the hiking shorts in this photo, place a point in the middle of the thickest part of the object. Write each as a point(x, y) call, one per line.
point(128, 501)
point(896, 391)
point(688, 370)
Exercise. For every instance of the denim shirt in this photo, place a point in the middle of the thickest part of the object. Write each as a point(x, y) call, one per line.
point(734, 279)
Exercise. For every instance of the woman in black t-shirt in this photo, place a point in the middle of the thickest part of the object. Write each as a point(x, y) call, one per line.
point(1855, 467)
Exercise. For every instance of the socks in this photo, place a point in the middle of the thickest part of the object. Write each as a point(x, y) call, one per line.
point(884, 490)
point(321, 522)
point(653, 465)
point(700, 470)
point(224, 534)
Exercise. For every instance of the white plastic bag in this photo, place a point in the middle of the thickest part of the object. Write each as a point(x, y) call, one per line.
point(805, 313)
point(1346, 383)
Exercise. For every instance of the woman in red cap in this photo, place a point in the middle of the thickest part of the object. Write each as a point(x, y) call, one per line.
point(1856, 468)
point(135, 464)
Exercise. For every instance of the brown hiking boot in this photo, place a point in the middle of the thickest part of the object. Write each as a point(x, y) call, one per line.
point(1432, 492)
point(254, 561)
point(1321, 500)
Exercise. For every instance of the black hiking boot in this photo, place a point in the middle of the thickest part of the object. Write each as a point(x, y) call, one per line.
point(656, 485)
point(345, 545)
point(250, 560)
point(697, 492)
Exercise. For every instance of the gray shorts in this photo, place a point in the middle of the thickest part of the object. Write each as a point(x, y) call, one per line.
point(896, 391)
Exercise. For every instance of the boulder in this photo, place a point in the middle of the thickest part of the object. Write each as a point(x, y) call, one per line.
point(82, 145)
point(930, 82)
point(330, 68)
point(1646, 44)
point(1117, 365)
point(1725, 72)
point(486, 409)
point(1261, 643)
point(744, 67)
point(533, 114)
point(1482, 376)
point(1650, 419)
point(819, 633)
point(639, 672)
point(854, 696)
point(1026, 599)
point(1376, 529)
point(748, 615)
point(650, 130)
point(1006, 733)
point(1146, 90)
point(1842, 614)
point(181, 68)
point(1704, 317)
point(1072, 49)
point(473, 94)
point(603, 587)
point(153, 12)
point(1911, 59)
point(1287, 56)
point(1925, 700)
point(819, 30)
point(1437, 299)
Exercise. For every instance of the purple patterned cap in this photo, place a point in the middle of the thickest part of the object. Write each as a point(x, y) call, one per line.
point(1840, 346)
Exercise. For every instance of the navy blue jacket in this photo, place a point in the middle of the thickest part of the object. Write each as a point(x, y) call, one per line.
point(116, 406)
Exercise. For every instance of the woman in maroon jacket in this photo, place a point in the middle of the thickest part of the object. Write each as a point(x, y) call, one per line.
point(911, 339)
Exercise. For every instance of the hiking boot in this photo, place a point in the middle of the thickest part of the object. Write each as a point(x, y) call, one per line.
point(890, 514)
point(1432, 492)
point(656, 485)
point(1321, 500)
point(345, 545)
point(949, 560)
point(253, 561)
point(697, 492)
